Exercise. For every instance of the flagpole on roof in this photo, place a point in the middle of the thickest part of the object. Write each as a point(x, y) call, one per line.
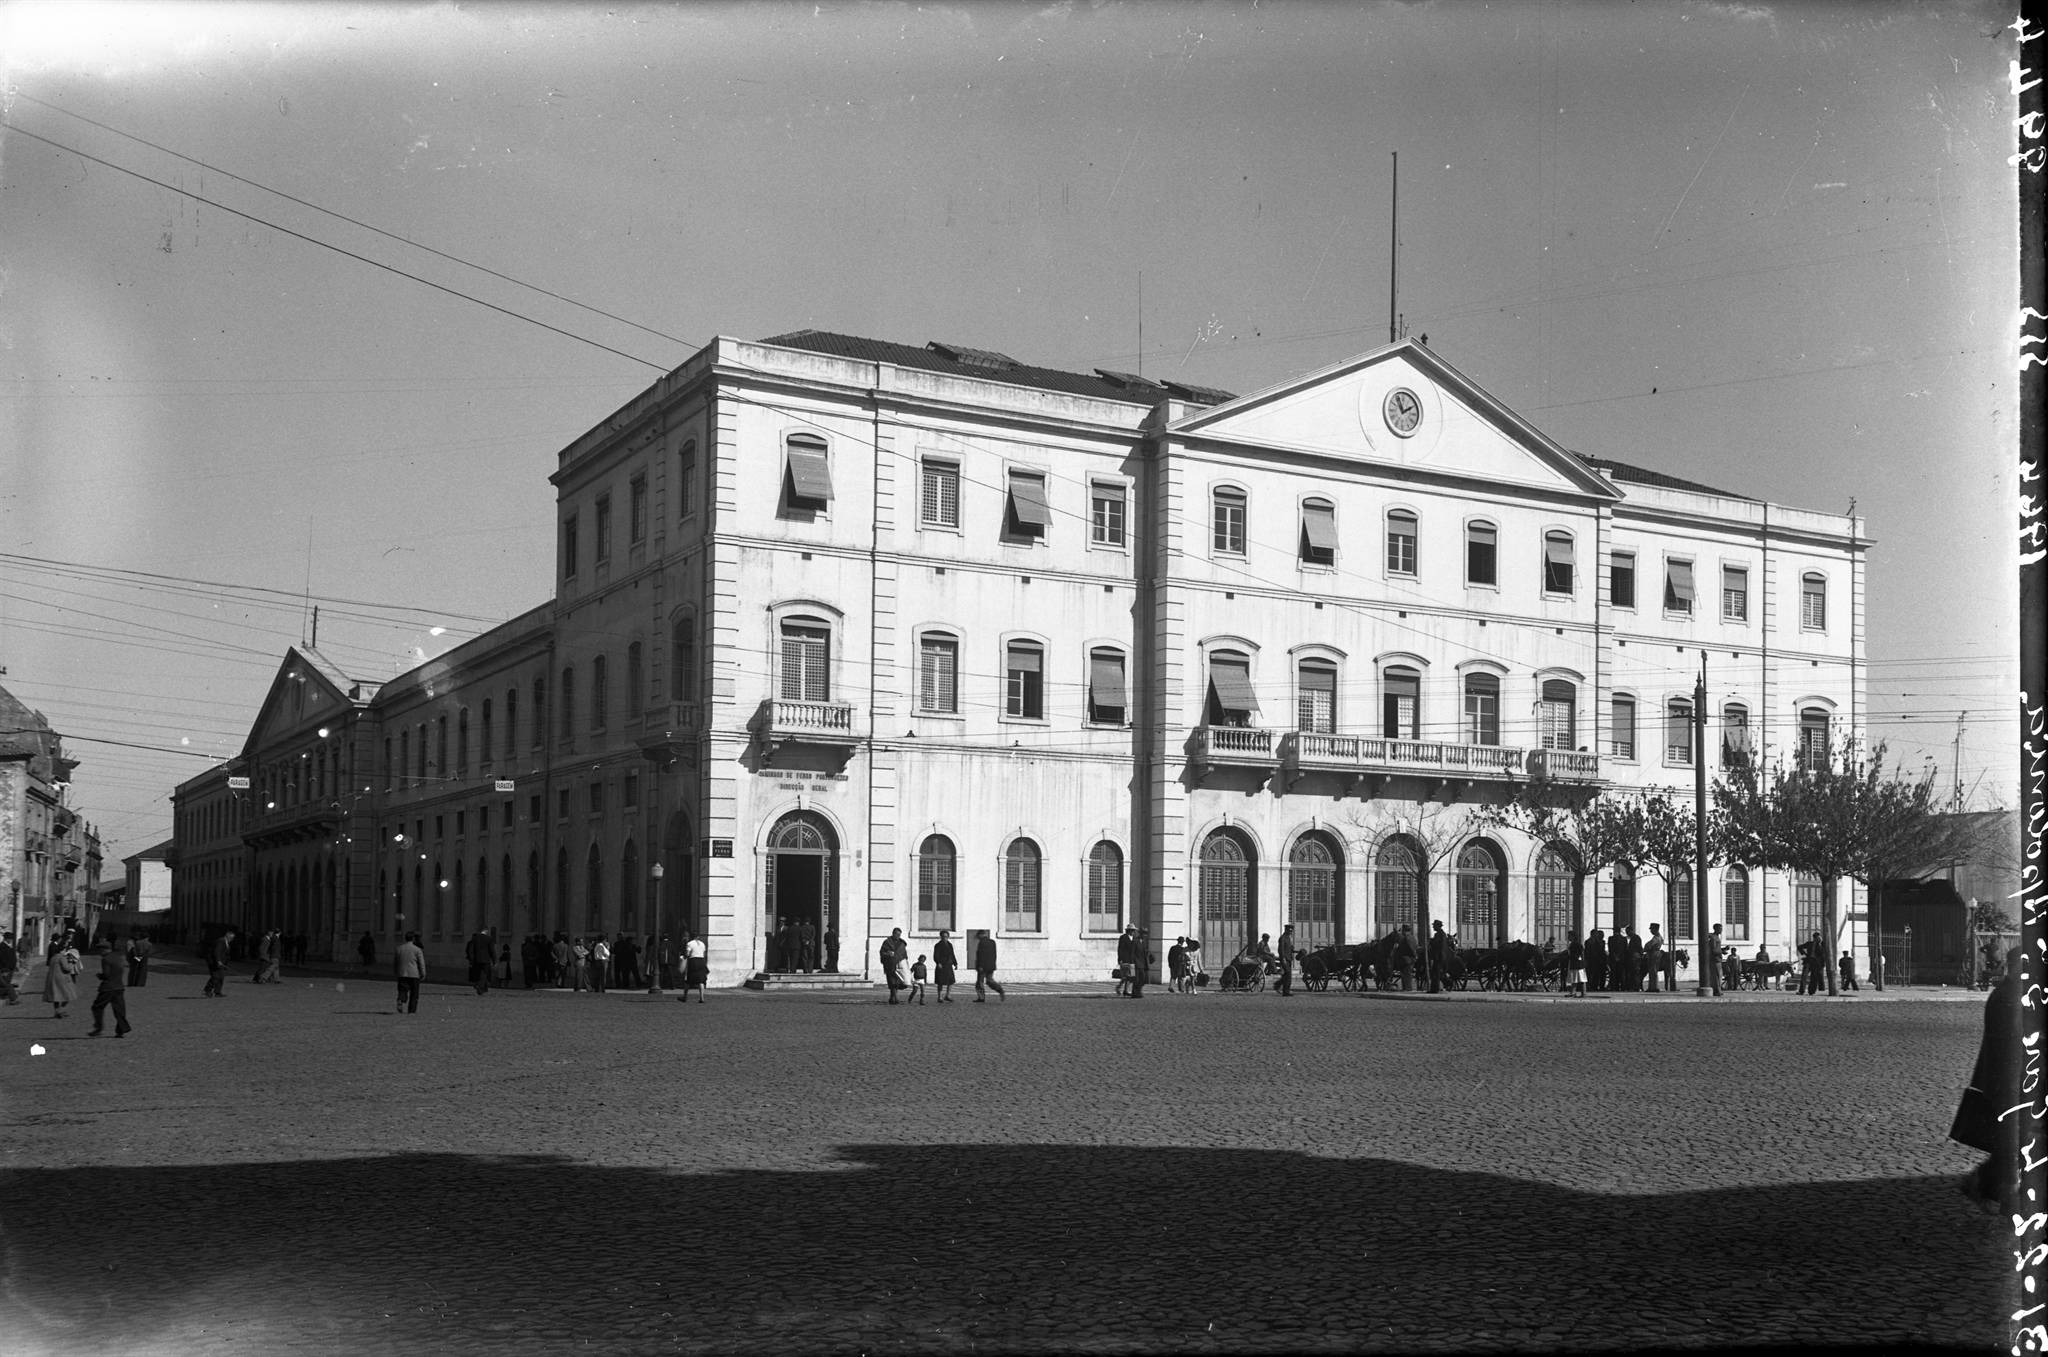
point(1394, 254)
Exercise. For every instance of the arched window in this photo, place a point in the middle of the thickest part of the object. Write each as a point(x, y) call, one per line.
point(600, 693)
point(1735, 904)
point(511, 723)
point(686, 479)
point(1482, 552)
point(1681, 911)
point(807, 476)
point(1318, 545)
point(1224, 897)
point(1021, 884)
point(505, 893)
point(1482, 708)
point(1226, 520)
point(483, 893)
point(1108, 694)
point(629, 888)
point(1813, 602)
point(806, 660)
point(1621, 728)
point(439, 887)
point(1557, 896)
point(1312, 885)
point(462, 743)
point(1735, 734)
point(1230, 699)
point(683, 659)
point(1624, 898)
point(1482, 896)
point(1024, 680)
point(636, 680)
point(1397, 882)
point(1105, 888)
point(1315, 702)
point(535, 918)
point(540, 708)
point(1813, 739)
point(1678, 731)
point(1401, 703)
point(1809, 915)
point(938, 673)
point(1558, 571)
point(1402, 530)
point(593, 891)
point(562, 909)
point(483, 743)
point(568, 701)
point(1557, 715)
point(936, 863)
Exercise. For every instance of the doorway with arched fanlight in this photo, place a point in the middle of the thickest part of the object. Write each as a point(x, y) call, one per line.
point(800, 880)
point(1226, 895)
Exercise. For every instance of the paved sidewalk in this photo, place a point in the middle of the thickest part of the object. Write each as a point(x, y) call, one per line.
point(296, 1168)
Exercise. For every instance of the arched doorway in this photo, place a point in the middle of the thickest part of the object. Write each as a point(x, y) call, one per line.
point(1482, 896)
point(1399, 882)
point(1556, 901)
point(1315, 891)
point(1226, 895)
point(799, 882)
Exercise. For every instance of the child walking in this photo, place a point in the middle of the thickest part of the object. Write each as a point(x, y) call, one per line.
point(917, 975)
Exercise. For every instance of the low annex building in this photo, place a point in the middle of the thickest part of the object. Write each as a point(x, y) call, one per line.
point(871, 635)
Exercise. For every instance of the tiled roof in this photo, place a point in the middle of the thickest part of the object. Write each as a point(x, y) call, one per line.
point(1622, 471)
point(960, 361)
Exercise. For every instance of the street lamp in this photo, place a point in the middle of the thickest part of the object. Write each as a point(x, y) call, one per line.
point(654, 933)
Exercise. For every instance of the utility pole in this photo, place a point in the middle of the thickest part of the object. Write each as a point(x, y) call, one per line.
point(1709, 967)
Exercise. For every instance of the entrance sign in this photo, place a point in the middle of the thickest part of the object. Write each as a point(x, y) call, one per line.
point(503, 784)
point(721, 848)
point(238, 784)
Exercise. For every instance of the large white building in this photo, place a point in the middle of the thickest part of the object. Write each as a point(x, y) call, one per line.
point(880, 636)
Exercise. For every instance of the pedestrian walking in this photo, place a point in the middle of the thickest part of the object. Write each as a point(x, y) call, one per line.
point(366, 949)
point(60, 977)
point(1177, 966)
point(140, 950)
point(217, 965)
point(945, 964)
point(266, 960)
point(902, 966)
point(1848, 968)
point(917, 979)
point(1146, 958)
point(113, 989)
point(885, 957)
point(1575, 964)
point(409, 963)
point(1127, 960)
point(985, 969)
point(1981, 1121)
point(695, 968)
point(1439, 955)
point(480, 953)
point(10, 962)
point(1285, 989)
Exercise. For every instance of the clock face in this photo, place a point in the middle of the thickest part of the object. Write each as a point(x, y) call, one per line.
point(1403, 411)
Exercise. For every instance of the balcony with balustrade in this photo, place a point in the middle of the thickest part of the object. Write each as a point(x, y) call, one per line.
point(1367, 762)
point(1211, 748)
point(783, 722)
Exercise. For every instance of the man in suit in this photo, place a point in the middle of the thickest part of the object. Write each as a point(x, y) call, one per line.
point(985, 969)
point(1596, 961)
point(140, 950)
point(1127, 960)
point(806, 946)
point(410, 965)
point(1439, 955)
point(113, 989)
point(1285, 989)
point(480, 952)
point(217, 965)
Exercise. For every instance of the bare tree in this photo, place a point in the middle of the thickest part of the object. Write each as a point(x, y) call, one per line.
point(1436, 829)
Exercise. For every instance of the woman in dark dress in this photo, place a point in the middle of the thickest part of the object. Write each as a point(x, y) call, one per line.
point(1995, 1088)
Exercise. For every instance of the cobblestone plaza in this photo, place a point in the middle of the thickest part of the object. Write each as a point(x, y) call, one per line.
point(297, 1169)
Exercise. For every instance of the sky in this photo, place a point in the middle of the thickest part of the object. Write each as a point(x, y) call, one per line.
point(298, 303)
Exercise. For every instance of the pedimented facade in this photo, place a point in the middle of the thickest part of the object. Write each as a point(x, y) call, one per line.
point(878, 636)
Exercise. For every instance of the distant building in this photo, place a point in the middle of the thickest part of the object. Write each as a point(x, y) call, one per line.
point(49, 855)
point(1928, 915)
point(867, 635)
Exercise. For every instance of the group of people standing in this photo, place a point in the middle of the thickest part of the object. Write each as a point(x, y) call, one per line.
point(1625, 963)
point(798, 946)
point(64, 962)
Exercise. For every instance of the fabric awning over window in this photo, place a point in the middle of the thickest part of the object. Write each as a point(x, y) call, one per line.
point(809, 477)
point(1027, 501)
point(1557, 550)
point(1106, 680)
point(1680, 578)
point(1315, 679)
point(1232, 681)
point(1319, 525)
point(1024, 660)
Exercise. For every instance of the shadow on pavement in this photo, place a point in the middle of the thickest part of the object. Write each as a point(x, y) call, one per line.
point(942, 1247)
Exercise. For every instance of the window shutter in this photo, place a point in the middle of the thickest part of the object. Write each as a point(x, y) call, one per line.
point(810, 478)
point(1028, 509)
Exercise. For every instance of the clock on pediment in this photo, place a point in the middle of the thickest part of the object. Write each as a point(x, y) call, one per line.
point(1402, 410)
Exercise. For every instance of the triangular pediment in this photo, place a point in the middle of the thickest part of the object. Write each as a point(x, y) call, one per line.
point(305, 690)
point(1400, 406)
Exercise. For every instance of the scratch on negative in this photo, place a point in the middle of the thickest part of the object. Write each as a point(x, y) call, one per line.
point(1701, 170)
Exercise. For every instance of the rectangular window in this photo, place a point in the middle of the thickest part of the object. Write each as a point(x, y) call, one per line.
point(686, 481)
point(562, 804)
point(1316, 699)
point(483, 819)
point(1482, 709)
point(1024, 681)
point(1318, 533)
point(597, 798)
point(1621, 732)
point(1401, 531)
point(569, 547)
point(1226, 522)
point(1557, 715)
point(1813, 603)
point(1026, 514)
point(532, 809)
point(1482, 543)
point(600, 693)
point(1401, 704)
point(1735, 905)
point(1734, 594)
point(1678, 732)
point(1107, 698)
point(1813, 740)
point(1557, 563)
point(938, 674)
point(1106, 515)
point(604, 528)
point(806, 652)
point(939, 498)
point(637, 523)
point(629, 791)
point(1621, 579)
point(1678, 587)
point(807, 477)
point(1681, 908)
